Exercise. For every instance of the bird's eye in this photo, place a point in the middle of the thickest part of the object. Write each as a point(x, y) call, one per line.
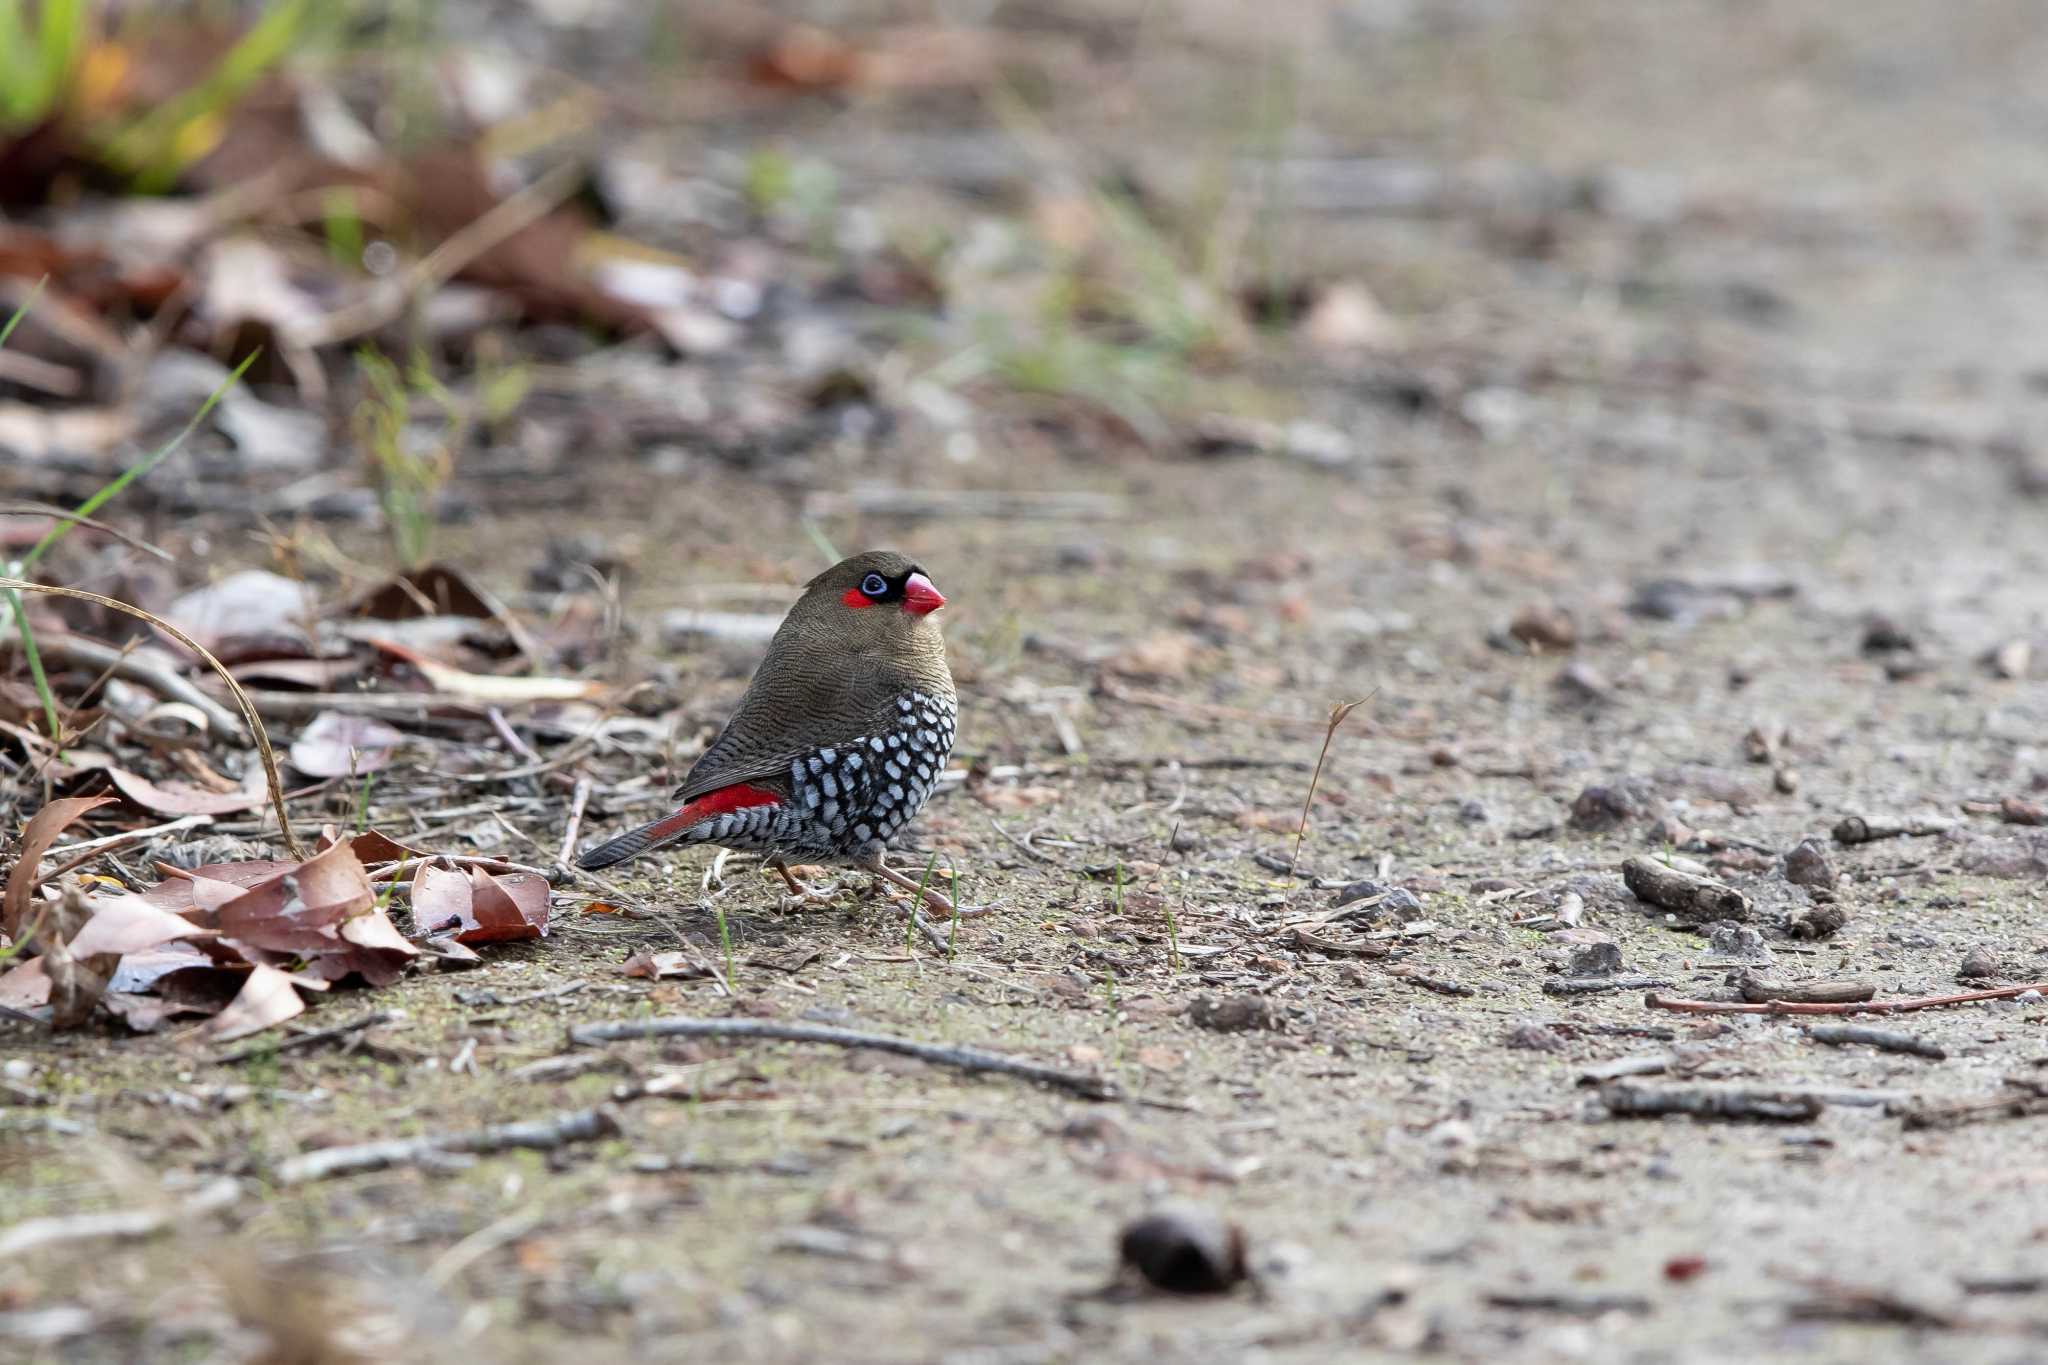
point(874, 585)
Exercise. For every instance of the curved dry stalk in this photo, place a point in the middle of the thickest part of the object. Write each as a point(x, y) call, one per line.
point(45, 509)
point(249, 716)
point(1339, 711)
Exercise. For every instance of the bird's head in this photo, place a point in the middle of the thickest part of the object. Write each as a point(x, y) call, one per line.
point(878, 598)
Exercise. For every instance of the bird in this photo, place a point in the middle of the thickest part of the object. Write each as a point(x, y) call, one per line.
point(839, 740)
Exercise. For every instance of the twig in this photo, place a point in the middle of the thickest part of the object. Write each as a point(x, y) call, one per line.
point(255, 724)
point(481, 1243)
point(83, 653)
point(540, 1135)
point(116, 1225)
point(1858, 829)
point(502, 221)
point(511, 736)
point(45, 509)
point(281, 705)
point(929, 930)
point(1884, 1040)
point(1026, 848)
point(307, 1039)
point(1925, 1002)
point(1692, 898)
point(1592, 985)
point(576, 804)
point(94, 848)
point(1955, 1115)
point(966, 1059)
point(1755, 988)
point(1624, 1100)
point(1642, 1064)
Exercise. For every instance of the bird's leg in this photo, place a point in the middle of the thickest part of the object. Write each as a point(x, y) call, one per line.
point(935, 898)
point(798, 892)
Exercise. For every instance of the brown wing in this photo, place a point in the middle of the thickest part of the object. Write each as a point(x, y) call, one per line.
point(787, 714)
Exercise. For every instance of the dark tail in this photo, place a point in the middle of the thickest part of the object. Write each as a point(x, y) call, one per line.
point(635, 842)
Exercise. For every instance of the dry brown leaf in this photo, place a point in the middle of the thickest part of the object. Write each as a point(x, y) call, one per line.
point(36, 837)
point(129, 924)
point(300, 911)
point(209, 887)
point(25, 986)
point(250, 606)
point(335, 745)
point(267, 999)
point(661, 966)
point(172, 797)
point(478, 906)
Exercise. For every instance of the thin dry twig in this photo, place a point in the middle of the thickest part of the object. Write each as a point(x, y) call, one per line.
point(94, 848)
point(1925, 1002)
point(1338, 712)
point(541, 1135)
point(254, 722)
point(47, 509)
point(575, 827)
point(310, 1038)
point(1884, 1040)
point(504, 220)
point(82, 653)
point(965, 1059)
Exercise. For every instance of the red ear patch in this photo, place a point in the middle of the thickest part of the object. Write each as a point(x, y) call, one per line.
point(854, 597)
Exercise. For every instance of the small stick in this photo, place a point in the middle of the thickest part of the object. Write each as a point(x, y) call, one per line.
point(511, 736)
point(503, 220)
point(1028, 850)
point(1643, 1064)
point(48, 509)
point(930, 930)
point(576, 804)
point(1692, 898)
point(1925, 1002)
point(1971, 1111)
point(93, 848)
point(1884, 1040)
point(309, 1038)
point(1756, 989)
point(1859, 829)
point(1589, 985)
point(966, 1059)
point(81, 653)
point(1624, 1100)
point(540, 1135)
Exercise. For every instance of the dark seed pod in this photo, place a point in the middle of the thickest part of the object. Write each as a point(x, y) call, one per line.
point(1185, 1250)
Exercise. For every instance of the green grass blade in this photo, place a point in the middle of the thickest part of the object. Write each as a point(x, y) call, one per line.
point(142, 466)
point(61, 44)
point(17, 54)
point(35, 665)
point(14, 319)
point(14, 602)
point(146, 148)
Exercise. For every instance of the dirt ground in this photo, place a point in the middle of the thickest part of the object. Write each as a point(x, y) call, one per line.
point(1720, 337)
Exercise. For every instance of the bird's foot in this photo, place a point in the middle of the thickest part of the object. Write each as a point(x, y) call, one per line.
point(805, 897)
point(933, 898)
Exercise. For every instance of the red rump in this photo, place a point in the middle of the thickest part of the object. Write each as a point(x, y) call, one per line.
point(724, 801)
